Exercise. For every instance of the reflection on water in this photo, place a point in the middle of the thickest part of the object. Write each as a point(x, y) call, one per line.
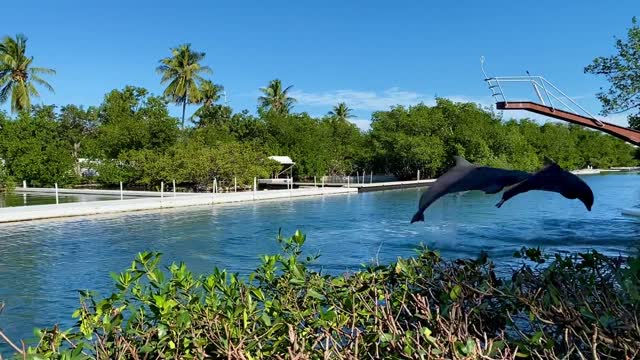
point(27, 199)
point(43, 264)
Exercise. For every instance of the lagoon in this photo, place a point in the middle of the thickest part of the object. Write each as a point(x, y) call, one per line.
point(43, 264)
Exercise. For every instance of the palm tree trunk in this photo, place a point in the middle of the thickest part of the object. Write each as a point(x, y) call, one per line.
point(184, 107)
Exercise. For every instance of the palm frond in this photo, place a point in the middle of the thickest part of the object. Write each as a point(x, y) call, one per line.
point(42, 83)
point(5, 91)
point(40, 70)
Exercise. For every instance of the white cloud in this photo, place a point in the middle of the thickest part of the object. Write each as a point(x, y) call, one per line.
point(362, 100)
point(363, 124)
point(369, 101)
point(618, 119)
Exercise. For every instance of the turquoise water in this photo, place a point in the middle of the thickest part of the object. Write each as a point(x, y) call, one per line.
point(29, 199)
point(43, 264)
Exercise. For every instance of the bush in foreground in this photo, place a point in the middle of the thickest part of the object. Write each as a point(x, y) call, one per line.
point(579, 306)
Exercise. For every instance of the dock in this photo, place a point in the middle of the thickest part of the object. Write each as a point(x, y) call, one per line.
point(153, 200)
point(168, 200)
point(374, 186)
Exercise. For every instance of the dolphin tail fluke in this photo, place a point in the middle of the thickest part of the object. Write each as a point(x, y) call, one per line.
point(419, 216)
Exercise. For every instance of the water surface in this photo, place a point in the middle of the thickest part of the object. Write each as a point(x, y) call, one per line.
point(12, 199)
point(43, 264)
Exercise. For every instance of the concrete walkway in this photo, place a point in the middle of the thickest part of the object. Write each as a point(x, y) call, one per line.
point(24, 213)
point(125, 193)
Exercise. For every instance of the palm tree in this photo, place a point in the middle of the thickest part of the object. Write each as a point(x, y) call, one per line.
point(275, 98)
point(17, 76)
point(182, 71)
point(209, 95)
point(341, 112)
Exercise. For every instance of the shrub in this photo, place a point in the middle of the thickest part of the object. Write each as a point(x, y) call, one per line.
point(579, 306)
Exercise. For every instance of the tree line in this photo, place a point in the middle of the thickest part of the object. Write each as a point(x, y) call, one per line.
point(132, 138)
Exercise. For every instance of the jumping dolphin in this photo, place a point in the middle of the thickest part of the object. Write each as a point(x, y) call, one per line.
point(553, 178)
point(465, 176)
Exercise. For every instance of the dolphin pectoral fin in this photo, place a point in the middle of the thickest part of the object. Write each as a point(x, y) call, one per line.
point(419, 216)
point(499, 204)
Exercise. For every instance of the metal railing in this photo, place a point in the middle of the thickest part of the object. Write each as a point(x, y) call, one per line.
point(542, 88)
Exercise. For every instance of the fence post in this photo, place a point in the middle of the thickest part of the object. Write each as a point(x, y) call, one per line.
point(215, 185)
point(121, 192)
point(235, 184)
point(371, 177)
point(24, 184)
point(358, 177)
point(161, 190)
point(348, 181)
point(418, 175)
point(174, 187)
point(255, 187)
point(315, 183)
point(57, 198)
point(323, 182)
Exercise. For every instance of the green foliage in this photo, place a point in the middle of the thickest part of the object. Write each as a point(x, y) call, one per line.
point(34, 150)
point(425, 138)
point(422, 307)
point(18, 78)
point(191, 163)
point(623, 73)
point(130, 119)
point(7, 183)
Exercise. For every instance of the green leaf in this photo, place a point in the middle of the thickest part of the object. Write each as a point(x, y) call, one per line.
point(314, 294)
point(455, 292)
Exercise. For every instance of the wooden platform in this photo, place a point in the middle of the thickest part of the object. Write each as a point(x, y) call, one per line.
point(621, 132)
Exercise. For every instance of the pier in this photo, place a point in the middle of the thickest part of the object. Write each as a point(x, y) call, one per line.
point(165, 201)
point(374, 186)
point(153, 200)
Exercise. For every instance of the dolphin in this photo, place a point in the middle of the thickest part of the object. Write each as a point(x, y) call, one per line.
point(465, 176)
point(554, 179)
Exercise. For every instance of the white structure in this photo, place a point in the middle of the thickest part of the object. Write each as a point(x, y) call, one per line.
point(286, 163)
point(287, 166)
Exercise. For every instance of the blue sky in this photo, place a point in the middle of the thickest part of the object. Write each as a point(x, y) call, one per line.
point(371, 54)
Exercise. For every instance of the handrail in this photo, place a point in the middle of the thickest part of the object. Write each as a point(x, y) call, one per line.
point(550, 91)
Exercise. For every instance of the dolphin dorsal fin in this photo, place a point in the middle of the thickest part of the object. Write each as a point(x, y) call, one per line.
point(460, 161)
point(547, 161)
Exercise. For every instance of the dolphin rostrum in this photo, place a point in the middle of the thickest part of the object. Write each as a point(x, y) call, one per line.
point(465, 176)
point(553, 178)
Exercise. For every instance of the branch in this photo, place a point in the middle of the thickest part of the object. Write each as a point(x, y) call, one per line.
point(8, 341)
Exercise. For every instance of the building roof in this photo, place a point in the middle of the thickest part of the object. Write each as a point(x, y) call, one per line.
point(284, 160)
